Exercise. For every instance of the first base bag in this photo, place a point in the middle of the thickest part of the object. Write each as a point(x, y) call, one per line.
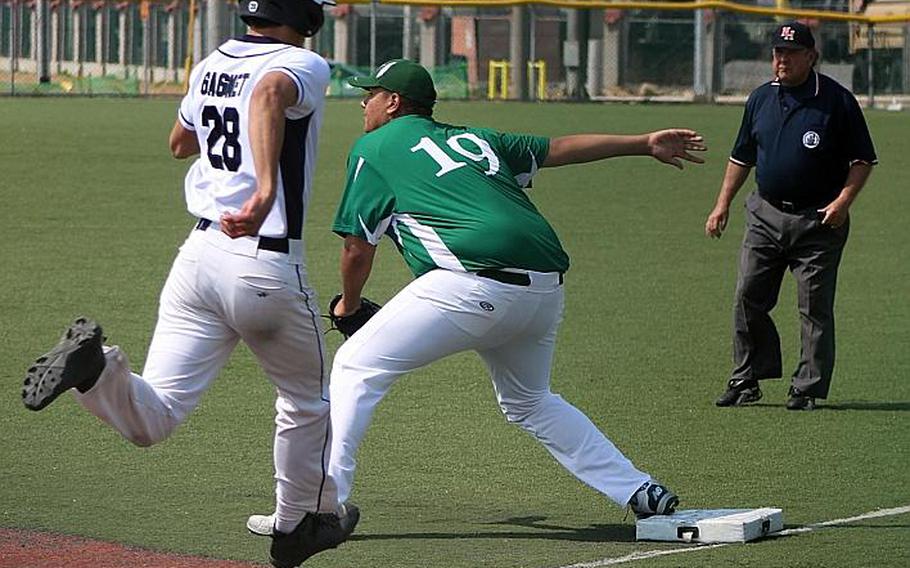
point(711, 525)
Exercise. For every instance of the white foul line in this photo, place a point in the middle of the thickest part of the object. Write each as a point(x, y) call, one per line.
point(642, 556)
point(863, 517)
point(808, 528)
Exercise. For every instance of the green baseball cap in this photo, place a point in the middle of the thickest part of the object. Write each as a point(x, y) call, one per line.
point(402, 76)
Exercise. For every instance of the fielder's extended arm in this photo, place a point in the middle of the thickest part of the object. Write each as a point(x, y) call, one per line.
point(669, 146)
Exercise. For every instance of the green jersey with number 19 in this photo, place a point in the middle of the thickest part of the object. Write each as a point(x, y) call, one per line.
point(451, 197)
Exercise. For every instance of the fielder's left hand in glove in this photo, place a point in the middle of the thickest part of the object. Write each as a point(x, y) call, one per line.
point(349, 324)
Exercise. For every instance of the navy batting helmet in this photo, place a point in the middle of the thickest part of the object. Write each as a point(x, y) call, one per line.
point(305, 16)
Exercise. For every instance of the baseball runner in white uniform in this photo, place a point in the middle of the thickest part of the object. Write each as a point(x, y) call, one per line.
point(489, 273)
point(253, 112)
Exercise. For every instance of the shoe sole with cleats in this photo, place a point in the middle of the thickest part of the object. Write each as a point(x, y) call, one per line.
point(76, 361)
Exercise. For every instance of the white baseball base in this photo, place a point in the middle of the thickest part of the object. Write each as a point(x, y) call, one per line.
point(711, 525)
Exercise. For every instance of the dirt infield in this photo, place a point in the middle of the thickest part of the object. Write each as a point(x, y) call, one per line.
point(28, 549)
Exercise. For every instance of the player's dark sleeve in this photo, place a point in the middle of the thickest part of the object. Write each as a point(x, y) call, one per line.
point(745, 150)
point(856, 133)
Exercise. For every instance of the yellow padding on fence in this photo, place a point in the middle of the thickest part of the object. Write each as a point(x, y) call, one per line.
point(538, 69)
point(502, 67)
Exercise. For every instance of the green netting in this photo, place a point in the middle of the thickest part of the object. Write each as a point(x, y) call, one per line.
point(69, 85)
point(451, 80)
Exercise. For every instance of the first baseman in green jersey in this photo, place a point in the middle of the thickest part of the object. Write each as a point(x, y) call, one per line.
point(440, 212)
point(488, 269)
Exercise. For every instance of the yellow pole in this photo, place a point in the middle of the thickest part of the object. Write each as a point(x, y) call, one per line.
point(537, 71)
point(781, 5)
point(542, 79)
point(190, 47)
point(501, 67)
point(491, 77)
point(504, 85)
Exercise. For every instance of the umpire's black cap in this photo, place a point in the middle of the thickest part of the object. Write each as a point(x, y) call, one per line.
point(793, 35)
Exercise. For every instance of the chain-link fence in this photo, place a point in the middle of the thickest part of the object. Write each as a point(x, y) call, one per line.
point(660, 55)
point(130, 47)
point(451, 80)
point(78, 47)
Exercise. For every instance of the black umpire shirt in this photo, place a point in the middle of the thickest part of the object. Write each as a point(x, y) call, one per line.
point(802, 140)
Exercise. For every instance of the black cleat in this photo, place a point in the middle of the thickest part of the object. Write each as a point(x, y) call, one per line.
point(315, 533)
point(75, 362)
point(651, 499)
point(739, 392)
point(800, 401)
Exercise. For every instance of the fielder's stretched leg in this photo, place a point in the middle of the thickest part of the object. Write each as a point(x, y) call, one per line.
point(442, 313)
point(520, 370)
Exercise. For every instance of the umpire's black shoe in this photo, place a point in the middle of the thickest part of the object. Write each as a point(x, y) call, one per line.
point(739, 392)
point(315, 533)
point(800, 401)
point(75, 362)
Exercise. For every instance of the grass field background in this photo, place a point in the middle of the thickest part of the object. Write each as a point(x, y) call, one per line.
point(93, 211)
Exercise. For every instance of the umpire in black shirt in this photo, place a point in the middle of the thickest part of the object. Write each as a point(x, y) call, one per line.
point(807, 138)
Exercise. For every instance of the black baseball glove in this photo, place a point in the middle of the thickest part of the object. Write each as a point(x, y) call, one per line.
point(349, 324)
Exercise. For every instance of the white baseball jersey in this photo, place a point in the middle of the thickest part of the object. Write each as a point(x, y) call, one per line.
point(253, 289)
point(216, 107)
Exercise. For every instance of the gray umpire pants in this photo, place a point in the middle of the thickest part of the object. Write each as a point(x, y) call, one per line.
point(774, 242)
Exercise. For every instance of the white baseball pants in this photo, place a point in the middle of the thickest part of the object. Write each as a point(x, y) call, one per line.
point(513, 328)
point(212, 299)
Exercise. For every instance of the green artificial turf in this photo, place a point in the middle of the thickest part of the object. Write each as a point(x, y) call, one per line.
point(93, 212)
